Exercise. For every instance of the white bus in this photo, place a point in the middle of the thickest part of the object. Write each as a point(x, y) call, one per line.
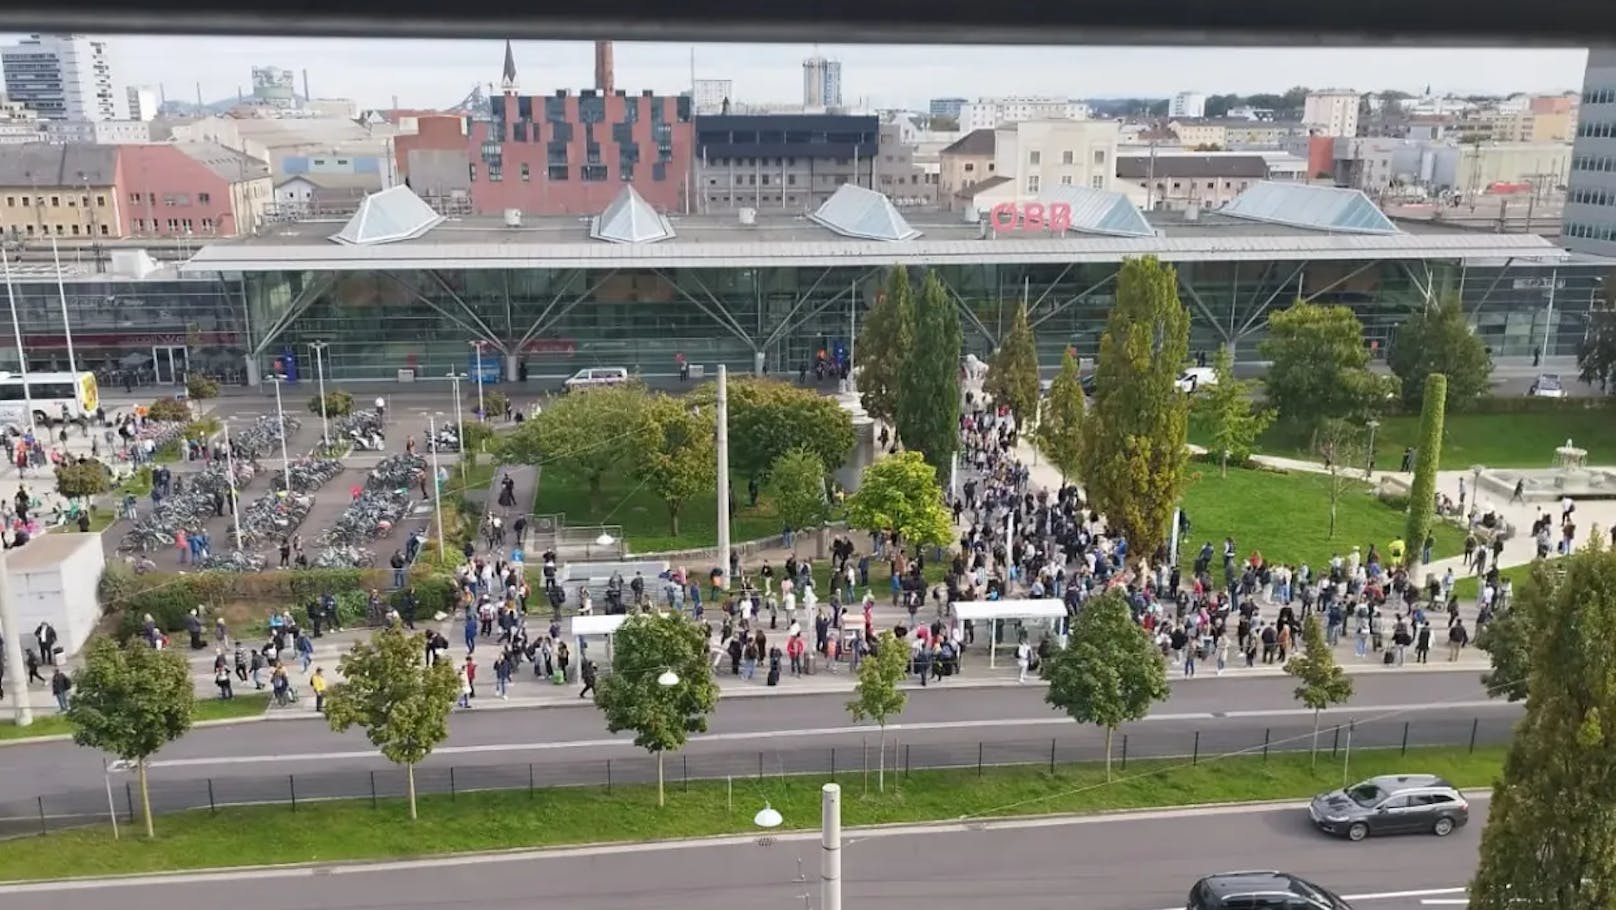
point(53, 395)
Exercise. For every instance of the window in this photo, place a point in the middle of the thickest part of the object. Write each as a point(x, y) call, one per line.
point(104, 232)
point(56, 202)
point(1097, 181)
point(1066, 157)
point(1099, 157)
point(186, 224)
point(75, 230)
point(140, 225)
point(203, 198)
point(1066, 180)
point(526, 173)
point(557, 172)
point(495, 174)
point(1032, 183)
point(25, 199)
point(1034, 156)
point(593, 173)
point(970, 166)
point(519, 131)
point(100, 201)
point(659, 171)
point(471, 173)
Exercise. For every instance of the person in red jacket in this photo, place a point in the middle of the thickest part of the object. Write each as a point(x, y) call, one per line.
point(794, 650)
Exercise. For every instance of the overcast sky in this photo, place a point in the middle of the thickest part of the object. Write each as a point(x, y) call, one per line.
point(440, 73)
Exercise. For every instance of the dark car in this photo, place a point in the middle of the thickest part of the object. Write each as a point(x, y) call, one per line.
point(1261, 891)
point(1391, 804)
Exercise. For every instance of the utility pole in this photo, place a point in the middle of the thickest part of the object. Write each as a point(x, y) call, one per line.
point(723, 472)
point(830, 847)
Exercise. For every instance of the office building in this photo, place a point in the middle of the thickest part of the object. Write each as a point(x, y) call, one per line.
point(1181, 182)
point(783, 161)
point(1590, 211)
point(1187, 106)
point(821, 83)
point(60, 77)
point(713, 95)
point(19, 124)
point(946, 107)
point(991, 113)
point(143, 103)
point(1333, 112)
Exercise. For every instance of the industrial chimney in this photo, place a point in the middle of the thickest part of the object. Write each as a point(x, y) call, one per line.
point(604, 82)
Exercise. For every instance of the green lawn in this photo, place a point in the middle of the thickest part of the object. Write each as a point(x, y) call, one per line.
point(1468, 587)
point(53, 724)
point(1287, 517)
point(1525, 440)
point(352, 830)
point(644, 518)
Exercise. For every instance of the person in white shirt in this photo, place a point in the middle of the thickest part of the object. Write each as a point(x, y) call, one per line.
point(1023, 660)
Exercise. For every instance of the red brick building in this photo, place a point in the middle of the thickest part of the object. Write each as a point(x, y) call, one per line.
point(555, 154)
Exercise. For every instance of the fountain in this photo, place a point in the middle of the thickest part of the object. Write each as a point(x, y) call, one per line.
point(1570, 476)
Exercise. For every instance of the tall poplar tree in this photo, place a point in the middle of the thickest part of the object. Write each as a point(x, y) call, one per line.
point(1013, 370)
point(1550, 839)
point(929, 386)
point(882, 346)
point(1133, 461)
point(1062, 428)
point(1422, 493)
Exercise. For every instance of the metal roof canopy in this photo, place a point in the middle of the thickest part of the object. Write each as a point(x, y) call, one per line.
point(1319, 208)
point(1100, 211)
point(391, 215)
point(854, 211)
point(630, 219)
point(242, 257)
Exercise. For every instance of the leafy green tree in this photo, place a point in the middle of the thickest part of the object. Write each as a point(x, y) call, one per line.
point(1319, 366)
point(586, 435)
point(402, 704)
point(797, 487)
point(1226, 414)
point(1549, 840)
point(1508, 638)
point(900, 493)
point(929, 387)
point(1427, 460)
point(337, 403)
point(1110, 672)
point(83, 478)
point(1321, 681)
point(641, 696)
point(169, 409)
point(1062, 427)
point(131, 701)
point(1134, 458)
point(1439, 340)
point(883, 344)
point(1340, 447)
point(201, 387)
point(675, 455)
point(878, 695)
point(1596, 357)
point(770, 417)
point(1013, 370)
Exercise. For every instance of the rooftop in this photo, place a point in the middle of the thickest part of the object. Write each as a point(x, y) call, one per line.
point(976, 142)
point(1146, 167)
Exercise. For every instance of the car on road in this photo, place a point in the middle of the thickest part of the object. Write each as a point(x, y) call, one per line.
point(1391, 804)
point(1261, 891)
point(1547, 385)
point(1195, 378)
point(595, 378)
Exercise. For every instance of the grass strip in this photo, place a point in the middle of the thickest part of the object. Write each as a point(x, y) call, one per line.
point(349, 830)
point(206, 709)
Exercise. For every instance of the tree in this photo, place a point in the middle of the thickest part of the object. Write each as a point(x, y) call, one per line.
point(877, 695)
point(1110, 672)
point(1338, 445)
point(337, 404)
point(402, 704)
point(1225, 413)
point(1319, 367)
point(900, 493)
point(1596, 357)
point(1062, 427)
point(675, 454)
point(169, 409)
point(75, 479)
point(1438, 339)
point(1549, 839)
point(637, 694)
point(584, 434)
point(929, 386)
point(882, 346)
point(201, 386)
point(1133, 461)
point(1321, 681)
point(1427, 459)
point(1508, 638)
point(130, 701)
point(797, 486)
point(769, 417)
point(1013, 370)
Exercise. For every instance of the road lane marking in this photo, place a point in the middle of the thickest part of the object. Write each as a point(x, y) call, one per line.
point(1378, 709)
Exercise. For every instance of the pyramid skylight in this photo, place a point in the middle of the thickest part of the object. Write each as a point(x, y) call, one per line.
point(854, 211)
point(1099, 211)
point(630, 219)
point(1320, 208)
point(393, 214)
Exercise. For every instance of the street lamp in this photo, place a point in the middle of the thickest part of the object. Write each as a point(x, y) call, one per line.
point(460, 422)
point(668, 679)
point(230, 474)
point(16, 331)
point(830, 842)
point(319, 370)
point(768, 817)
point(477, 345)
point(1369, 468)
point(437, 488)
point(280, 417)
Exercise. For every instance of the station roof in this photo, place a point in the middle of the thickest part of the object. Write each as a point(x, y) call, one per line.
point(863, 229)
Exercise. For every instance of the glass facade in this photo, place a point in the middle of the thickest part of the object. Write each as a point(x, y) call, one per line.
point(557, 321)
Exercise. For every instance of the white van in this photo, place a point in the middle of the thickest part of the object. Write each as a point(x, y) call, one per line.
point(594, 378)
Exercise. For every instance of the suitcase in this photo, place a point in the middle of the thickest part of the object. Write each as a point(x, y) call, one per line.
point(1391, 658)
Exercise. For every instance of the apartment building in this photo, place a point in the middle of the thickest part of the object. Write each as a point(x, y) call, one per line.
point(1333, 112)
point(1044, 153)
point(784, 161)
point(991, 113)
point(1179, 182)
point(964, 164)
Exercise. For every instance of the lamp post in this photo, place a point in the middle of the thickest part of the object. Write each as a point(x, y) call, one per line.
point(1369, 463)
point(460, 422)
point(830, 842)
point(280, 416)
point(230, 474)
point(723, 473)
point(319, 371)
point(437, 487)
point(478, 347)
point(56, 259)
point(16, 331)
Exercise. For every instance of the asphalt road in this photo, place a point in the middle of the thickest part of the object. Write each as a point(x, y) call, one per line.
point(1098, 863)
point(754, 736)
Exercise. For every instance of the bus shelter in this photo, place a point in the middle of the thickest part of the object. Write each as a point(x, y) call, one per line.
point(1050, 612)
point(597, 626)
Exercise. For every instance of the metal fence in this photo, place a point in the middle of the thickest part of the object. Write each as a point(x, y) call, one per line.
point(467, 773)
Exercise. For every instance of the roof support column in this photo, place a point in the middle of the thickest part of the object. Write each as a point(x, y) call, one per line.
point(546, 320)
point(487, 334)
point(311, 292)
point(1427, 293)
point(1293, 278)
point(970, 315)
point(1205, 310)
point(1082, 295)
point(720, 315)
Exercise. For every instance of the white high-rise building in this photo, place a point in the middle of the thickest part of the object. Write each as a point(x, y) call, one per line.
point(821, 82)
point(989, 113)
point(60, 77)
point(1187, 106)
point(711, 95)
point(1332, 112)
point(142, 103)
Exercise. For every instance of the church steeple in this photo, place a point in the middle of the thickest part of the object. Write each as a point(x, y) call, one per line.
point(507, 79)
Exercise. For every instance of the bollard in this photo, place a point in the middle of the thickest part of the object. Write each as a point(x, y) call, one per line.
point(1405, 737)
point(529, 780)
point(291, 785)
point(685, 782)
point(1266, 733)
point(373, 789)
point(1124, 751)
point(451, 784)
point(1335, 746)
point(906, 761)
point(1475, 724)
point(1195, 751)
point(212, 809)
point(43, 829)
point(979, 758)
point(129, 797)
point(1052, 755)
point(608, 775)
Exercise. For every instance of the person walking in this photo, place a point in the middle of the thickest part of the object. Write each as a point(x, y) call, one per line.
point(587, 671)
point(60, 685)
point(317, 683)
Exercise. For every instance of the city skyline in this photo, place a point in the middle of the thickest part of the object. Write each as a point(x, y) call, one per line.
point(373, 72)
